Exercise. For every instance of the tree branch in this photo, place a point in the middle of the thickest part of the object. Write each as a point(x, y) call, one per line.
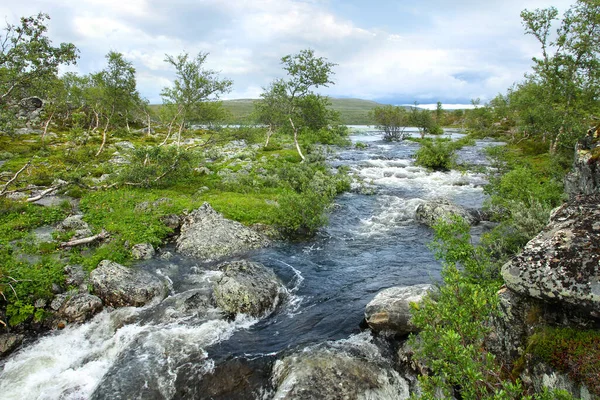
point(90, 239)
point(14, 177)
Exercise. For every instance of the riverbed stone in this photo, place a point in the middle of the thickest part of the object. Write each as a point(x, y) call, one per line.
point(561, 265)
point(120, 286)
point(80, 307)
point(346, 369)
point(247, 287)
point(142, 251)
point(390, 309)
point(207, 235)
point(9, 342)
point(429, 212)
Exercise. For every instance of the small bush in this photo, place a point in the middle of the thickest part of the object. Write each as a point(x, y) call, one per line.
point(437, 155)
point(156, 166)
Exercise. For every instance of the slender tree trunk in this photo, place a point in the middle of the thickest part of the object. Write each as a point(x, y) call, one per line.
point(181, 124)
point(104, 134)
point(127, 121)
point(269, 133)
point(97, 121)
point(296, 140)
point(46, 126)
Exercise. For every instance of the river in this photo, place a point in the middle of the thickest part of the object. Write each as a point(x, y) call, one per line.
point(372, 242)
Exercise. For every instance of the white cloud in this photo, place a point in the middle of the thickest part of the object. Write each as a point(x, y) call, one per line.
point(426, 51)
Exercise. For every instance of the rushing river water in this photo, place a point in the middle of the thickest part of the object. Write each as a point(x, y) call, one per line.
point(372, 242)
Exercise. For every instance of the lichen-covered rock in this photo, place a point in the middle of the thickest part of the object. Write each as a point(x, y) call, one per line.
point(80, 308)
point(77, 224)
point(541, 376)
point(247, 287)
point(347, 369)
point(584, 179)
point(206, 234)
point(142, 251)
point(431, 211)
point(390, 309)
point(120, 286)
point(562, 263)
point(9, 342)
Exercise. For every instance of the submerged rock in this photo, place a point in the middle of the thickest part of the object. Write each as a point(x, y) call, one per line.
point(247, 287)
point(347, 369)
point(390, 309)
point(206, 234)
point(562, 264)
point(120, 286)
point(431, 211)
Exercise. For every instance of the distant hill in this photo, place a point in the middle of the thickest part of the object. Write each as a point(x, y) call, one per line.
point(352, 111)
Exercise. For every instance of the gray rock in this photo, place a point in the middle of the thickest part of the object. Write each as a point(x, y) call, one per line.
point(206, 234)
point(584, 179)
point(80, 307)
point(120, 286)
point(430, 212)
point(348, 369)
point(16, 196)
point(390, 309)
point(73, 223)
point(142, 251)
point(172, 221)
point(58, 301)
point(562, 264)
point(75, 275)
point(9, 342)
point(544, 376)
point(124, 145)
point(247, 287)
point(40, 303)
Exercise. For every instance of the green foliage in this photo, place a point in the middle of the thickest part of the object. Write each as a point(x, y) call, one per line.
point(154, 166)
point(423, 120)
point(436, 155)
point(392, 120)
point(574, 352)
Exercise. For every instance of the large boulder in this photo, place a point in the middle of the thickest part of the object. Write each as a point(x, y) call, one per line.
point(390, 309)
point(562, 264)
point(348, 369)
point(120, 286)
point(247, 287)
point(429, 212)
point(80, 308)
point(206, 234)
point(584, 179)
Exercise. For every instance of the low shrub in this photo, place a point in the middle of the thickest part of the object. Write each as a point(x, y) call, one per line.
point(437, 155)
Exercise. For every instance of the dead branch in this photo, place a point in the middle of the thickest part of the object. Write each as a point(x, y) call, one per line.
point(43, 194)
point(14, 178)
point(78, 242)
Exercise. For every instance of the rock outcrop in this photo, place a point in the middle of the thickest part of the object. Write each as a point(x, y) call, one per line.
point(120, 286)
point(562, 264)
point(584, 179)
point(142, 251)
point(79, 308)
point(207, 235)
point(247, 287)
point(347, 369)
point(431, 211)
point(390, 309)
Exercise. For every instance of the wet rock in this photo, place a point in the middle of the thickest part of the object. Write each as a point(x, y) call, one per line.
point(347, 369)
point(247, 287)
point(206, 234)
point(390, 309)
point(142, 251)
point(584, 178)
point(120, 286)
point(430, 211)
point(9, 342)
point(80, 308)
point(235, 379)
point(562, 264)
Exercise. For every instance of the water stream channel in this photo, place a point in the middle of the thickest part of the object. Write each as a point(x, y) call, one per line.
point(372, 242)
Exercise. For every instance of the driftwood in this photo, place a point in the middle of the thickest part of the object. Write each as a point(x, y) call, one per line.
point(90, 239)
point(14, 178)
point(43, 194)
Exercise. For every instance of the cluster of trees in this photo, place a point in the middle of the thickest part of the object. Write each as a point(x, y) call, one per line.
point(108, 100)
point(393, 120)
point(558, 100)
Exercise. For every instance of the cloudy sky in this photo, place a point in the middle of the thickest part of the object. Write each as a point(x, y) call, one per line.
point(390, 51)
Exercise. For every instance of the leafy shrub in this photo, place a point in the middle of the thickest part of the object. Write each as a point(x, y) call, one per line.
point(437, 155)
point(156, 166)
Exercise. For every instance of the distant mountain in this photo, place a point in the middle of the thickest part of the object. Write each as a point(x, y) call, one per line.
point(352, 111)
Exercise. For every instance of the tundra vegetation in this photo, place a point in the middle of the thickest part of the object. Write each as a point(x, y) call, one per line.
point(130, 165)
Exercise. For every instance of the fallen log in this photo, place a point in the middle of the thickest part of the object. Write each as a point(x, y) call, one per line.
point(90, 239)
